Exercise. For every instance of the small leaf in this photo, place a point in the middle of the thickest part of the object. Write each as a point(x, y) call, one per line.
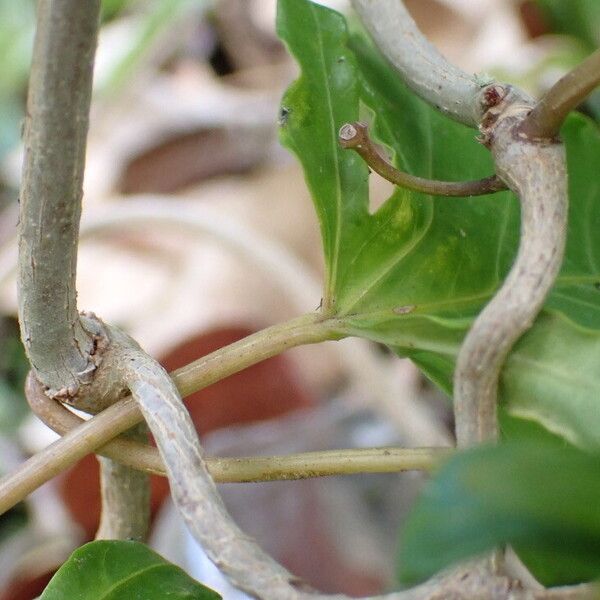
point(119, 570)
point(541, 498)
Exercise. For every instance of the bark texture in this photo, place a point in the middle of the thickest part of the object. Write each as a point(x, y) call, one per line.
point(125, 496)
point(58, 344)
point(536, 172)
point(421, 66)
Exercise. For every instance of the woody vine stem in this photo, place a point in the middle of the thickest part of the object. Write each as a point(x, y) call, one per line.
point(79, 360)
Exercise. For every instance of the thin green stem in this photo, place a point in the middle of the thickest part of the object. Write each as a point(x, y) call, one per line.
point(570, 91)
point(125, 493)
point(247, 468)
point(65, 452)
point(123, 415)
point(537, 173)
point(324, 463)
point(308, 329)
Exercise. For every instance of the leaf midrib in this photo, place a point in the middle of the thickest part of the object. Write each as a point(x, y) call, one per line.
point(132, 576)
point(430, 308)
point(338, 181)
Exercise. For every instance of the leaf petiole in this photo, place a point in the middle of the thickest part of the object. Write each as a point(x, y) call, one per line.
point(355, 136)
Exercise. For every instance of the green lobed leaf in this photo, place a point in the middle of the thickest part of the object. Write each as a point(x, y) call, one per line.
point(539, 497)
point(414, 273)
point(119, 570)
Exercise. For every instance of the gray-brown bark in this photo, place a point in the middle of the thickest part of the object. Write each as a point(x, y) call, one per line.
point(65, 349)
point(125, 496)
point(536, 172)
point(57, 343)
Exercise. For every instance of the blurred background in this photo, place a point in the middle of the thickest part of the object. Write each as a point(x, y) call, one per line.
point(197, 231)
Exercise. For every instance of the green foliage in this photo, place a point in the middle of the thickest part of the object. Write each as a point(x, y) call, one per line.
point(540, 497)
point(113, 8)
point(16, 41)
point(578, 18)
point(415, 272)
point(119, 570)
point(13, 521)
point(13, 370)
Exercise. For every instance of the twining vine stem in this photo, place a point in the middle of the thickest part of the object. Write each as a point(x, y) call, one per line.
point(101, 363)
point(418, 62)
point(531, 162)
point(125, 413)
point(533, 168)
point(124, 491)
point(146, 458)
point(67, 350)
